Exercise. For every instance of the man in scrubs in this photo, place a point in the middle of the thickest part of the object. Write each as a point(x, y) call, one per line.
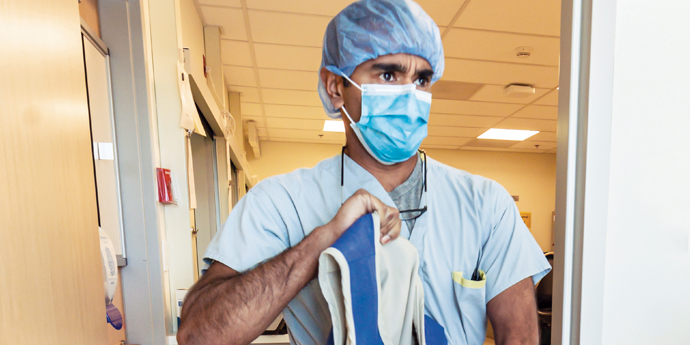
point(477, 258)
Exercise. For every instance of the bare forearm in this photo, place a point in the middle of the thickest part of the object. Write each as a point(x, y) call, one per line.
point(235, 310)
point(513, 315)
point(225, 307)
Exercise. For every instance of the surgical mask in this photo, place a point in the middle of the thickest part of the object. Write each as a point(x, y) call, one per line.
point(393, 121)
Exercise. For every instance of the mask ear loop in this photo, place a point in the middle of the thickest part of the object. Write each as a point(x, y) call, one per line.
point(347, 114)
point(343, 107)
point(353, 83)
point(342, 152)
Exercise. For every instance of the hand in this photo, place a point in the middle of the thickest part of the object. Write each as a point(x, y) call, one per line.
point(362, 203)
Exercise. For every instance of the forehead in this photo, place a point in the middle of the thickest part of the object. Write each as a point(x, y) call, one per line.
point(403, 59)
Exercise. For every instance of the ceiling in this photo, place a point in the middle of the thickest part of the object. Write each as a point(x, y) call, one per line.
point(271, 52)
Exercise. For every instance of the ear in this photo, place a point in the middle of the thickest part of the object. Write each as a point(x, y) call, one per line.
point(334, 87)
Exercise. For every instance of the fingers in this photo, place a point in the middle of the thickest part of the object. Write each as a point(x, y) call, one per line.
point(361, 203)
point(389, 216)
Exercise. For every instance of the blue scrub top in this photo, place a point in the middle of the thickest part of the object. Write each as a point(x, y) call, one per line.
point(467, 214)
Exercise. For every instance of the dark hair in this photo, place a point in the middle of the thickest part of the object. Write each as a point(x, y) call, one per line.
point(346, 83)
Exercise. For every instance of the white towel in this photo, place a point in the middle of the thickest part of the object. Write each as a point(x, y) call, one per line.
point(374, 292)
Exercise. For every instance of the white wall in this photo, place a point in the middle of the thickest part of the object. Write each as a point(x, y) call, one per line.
point(529, 175)
point(192, 35)
point(647, 288)
point(165, 41)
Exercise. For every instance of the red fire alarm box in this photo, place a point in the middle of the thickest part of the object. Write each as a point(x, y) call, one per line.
point(165, 189)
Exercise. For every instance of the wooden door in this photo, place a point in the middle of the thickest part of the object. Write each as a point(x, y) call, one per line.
point(51, 288)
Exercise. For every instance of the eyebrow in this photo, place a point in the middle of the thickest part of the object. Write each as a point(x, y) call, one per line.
point(425, 73)
point(394, 67)
point(390, 67)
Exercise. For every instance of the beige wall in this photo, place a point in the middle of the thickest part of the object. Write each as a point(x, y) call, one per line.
point(529, 175)
point(281, 157)
point(88, 10)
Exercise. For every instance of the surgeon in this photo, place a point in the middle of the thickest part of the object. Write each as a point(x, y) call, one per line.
point(477, 258)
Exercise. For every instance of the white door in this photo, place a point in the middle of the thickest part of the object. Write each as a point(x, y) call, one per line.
point(103, 137)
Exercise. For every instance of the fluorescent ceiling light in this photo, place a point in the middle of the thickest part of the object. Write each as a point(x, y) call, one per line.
point(507, 134)
point(333, 126)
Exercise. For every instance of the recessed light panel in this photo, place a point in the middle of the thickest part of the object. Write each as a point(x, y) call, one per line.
point(333, 126)
point(507, 134)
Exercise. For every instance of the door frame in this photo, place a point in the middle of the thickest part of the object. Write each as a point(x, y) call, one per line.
point(584, 137)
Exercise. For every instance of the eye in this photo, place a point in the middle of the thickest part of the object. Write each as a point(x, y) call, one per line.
point(387, 76)
point(422, 82)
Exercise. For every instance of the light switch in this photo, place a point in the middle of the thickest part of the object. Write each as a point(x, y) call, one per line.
point(106, 152)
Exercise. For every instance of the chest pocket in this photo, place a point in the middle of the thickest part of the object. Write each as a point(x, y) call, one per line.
point(470, 298)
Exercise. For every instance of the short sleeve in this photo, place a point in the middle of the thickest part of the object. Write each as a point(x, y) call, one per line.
point(255, 231)
point(510, 253)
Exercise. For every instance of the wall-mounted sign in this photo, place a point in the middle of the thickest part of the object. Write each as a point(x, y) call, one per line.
point(527, 218)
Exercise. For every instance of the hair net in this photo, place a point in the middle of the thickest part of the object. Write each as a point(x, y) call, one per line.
point(368, 29)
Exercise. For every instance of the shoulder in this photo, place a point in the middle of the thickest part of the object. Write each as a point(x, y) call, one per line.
point(470, 185)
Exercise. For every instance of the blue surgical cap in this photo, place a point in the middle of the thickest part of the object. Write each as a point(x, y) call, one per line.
point(368, 29)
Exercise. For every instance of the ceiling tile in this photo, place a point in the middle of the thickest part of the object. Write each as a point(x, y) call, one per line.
point(230, 19)
point(463, 120)
point(495, 93)
point(461, 132)
point(527, 124)
point(442, 147)
point(455, 90)
point(441, 11)
point(500, 46)
point(296, 112)
point(289, 80)
point(534, 17)
point(499, 73)
point(285, 123)
point(551, 98)
point(331, 141)
point(446, 141)
point(287, 28)
point(287, 57)
point(538, 112)
point(490, 143)
point(498, 149)
point(275, 133)
point(543, 145)
point(235, 53)
point(444, 106)
point(291, 97)
point(226, 3)
point(327, 8)
point(251, 109)
point(544, 136)
point(239, 76)
point(258, 119)
point(247, 94)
